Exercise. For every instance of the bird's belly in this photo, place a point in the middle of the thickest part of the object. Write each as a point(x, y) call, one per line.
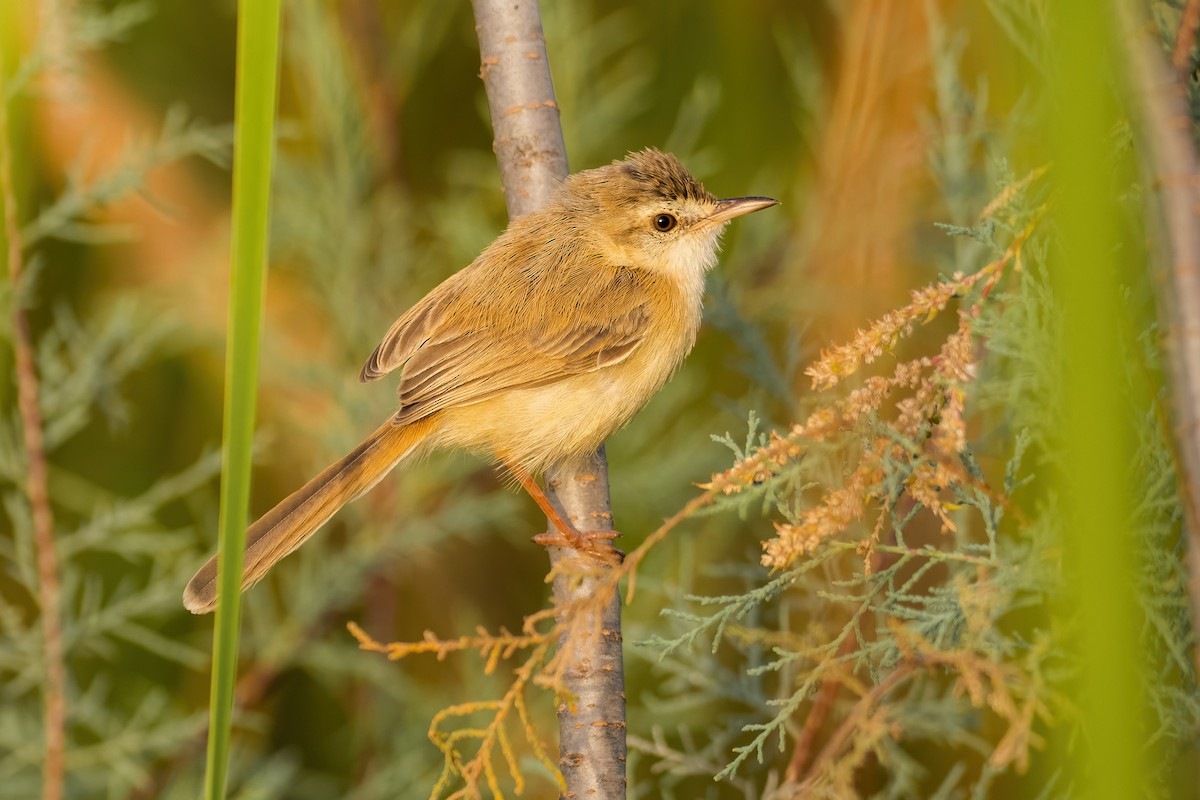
point(539, 426)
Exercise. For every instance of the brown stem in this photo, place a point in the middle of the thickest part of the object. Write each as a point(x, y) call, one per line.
point(37, 489)
point(1169, 163)
point(1185, 37)
point(856, 717)
point(529, 148)
point(363, 23)
point(880, 559)
point(815, 720)
point(251, 688)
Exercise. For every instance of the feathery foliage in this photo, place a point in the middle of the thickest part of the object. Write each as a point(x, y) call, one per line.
point(899, 641)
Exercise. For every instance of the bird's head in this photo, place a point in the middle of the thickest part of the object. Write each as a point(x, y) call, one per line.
point(654, 213)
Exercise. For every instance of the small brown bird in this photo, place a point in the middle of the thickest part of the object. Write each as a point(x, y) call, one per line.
point(551, 340)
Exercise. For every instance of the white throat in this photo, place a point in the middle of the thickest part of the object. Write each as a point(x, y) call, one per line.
point(691, 257)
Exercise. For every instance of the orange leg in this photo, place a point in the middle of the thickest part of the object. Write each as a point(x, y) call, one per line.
point(568, 534)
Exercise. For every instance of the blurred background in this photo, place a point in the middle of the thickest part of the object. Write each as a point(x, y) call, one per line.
point(869, 119)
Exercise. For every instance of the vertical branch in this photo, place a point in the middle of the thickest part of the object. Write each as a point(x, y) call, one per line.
point(1169, 163)
point(36, 487)
point(528, 140)
point(591, 724)
point(529, 148)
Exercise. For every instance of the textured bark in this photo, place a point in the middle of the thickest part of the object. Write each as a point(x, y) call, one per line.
point(591, 727)
point(1171, 171)
point(527, 137)
point(529, 148)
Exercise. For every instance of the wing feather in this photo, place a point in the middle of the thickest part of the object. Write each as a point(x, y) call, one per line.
point(471, 368)
point(495, 327)
point(409, 333)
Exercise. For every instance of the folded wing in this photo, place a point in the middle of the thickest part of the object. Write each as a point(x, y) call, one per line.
point(456, 350)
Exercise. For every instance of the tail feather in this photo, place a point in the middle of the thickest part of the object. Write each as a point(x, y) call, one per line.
point(289, 524)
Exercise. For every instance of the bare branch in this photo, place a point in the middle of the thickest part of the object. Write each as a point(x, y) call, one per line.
point(591, 723)
point(527, 137)
point(529, 147)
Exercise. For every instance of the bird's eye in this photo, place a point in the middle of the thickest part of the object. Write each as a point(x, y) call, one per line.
point(665, 222)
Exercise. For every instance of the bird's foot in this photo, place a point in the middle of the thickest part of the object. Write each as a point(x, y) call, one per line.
point(597, 544)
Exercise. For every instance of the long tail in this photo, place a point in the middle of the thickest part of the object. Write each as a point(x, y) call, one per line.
point(289, 524)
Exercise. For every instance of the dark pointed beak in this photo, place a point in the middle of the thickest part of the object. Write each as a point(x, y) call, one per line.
point(737, 206)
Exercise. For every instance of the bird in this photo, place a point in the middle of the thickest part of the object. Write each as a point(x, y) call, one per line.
point(541, 348)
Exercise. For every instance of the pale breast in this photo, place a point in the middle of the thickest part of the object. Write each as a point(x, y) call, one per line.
point(541, 425)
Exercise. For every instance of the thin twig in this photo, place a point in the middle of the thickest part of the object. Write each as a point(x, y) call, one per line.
point(532, 158)
point(855, 718)
point(363, 25)
point(251, 687)
point(883, 556)
point(815, 720)
point(37, 488)
point(1185, 37)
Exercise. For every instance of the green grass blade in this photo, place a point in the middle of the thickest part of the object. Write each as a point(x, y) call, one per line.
point(257, 79)
point(1098, 433)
